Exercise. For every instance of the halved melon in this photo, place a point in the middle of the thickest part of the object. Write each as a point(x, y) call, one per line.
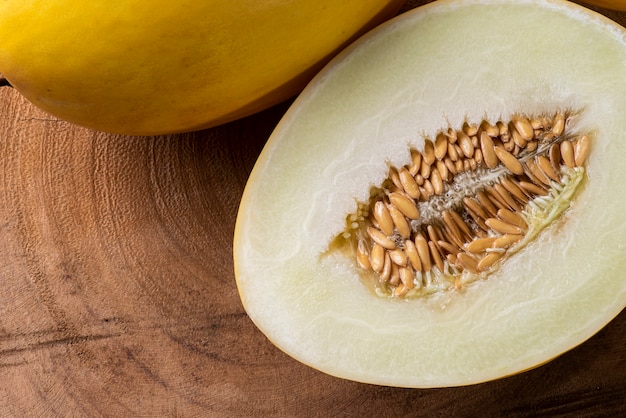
point(437, 67)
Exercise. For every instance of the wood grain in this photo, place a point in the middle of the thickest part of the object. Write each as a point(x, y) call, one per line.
point(117, 292)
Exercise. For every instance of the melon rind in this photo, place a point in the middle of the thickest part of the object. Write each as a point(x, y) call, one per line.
point(430, 68)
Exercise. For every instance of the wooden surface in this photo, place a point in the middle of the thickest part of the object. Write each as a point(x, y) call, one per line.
point(117, 293)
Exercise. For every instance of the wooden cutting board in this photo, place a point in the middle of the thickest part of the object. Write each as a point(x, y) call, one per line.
point(118, 298)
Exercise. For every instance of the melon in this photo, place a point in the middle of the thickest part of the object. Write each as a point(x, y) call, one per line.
point(154, 67)
point(609, 4)
point(546, 82)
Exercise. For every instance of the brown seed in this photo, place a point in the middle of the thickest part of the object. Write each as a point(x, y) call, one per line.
point(425, 169)
point(380, 238)
point(395, 178)
point(406, 277)
point(400, 222)
point(475, 207)
point(546, 166)
point(428, 154)
point(452, 152)
point(555, 155)
point(533, 188)
point(394, 277)
point(547, 121)
point(444, 173)
point(424, 195)
point(495, 198)
point(377, 258)
point(523, 126)
point(434, 252)
point(486, 203)
point(460, 223)
point(408, 183)
point(532, 146)
point(472, 163)
point(405, 204)
point(362, 255)
point(535, 173)
point(513, 218)
point(503, 128)
point(567, 154)
point(518, 139)
point(479, 245)
point(459, 166)
point(581, 151)
point(411, 253)
point(422, 250)
point(451, 134)
point(508, 145)
point(451, 237)
point(489, 260)
point(416, 162)
point(465, 143)
point(383, 218)
point(429, 189)
point(450, 165)
point(559, 124)
point(459, 151)
point(488, 149)
point(537, 124)
point(467, 262)
point(447, 247)
point(441, 146)
point(436, 181)
point(451, 225)
point(512, 187)
point(509, 161)
point(478, 155)
point(398, 257)
point(400, 290)
point(470, 129)
point(385, 273)
point(503, 227)
point(489, 129)
point(434, 234)
point(507, 197)
point(506, 240)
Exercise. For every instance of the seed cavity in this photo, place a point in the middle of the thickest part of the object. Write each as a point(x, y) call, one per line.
point(472, 198)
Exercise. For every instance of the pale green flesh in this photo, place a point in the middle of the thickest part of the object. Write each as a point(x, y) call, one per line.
point(362, 114)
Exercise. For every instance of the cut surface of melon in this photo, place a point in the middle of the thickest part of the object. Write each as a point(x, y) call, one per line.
point(429, 69)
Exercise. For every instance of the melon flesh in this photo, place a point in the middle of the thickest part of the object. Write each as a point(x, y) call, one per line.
point(428, 69)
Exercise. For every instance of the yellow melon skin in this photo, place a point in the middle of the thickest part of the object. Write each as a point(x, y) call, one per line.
point(154, 67)
point(430, 68)
point(609, 4)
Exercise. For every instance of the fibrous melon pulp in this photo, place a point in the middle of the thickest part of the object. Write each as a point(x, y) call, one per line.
point(552, 73)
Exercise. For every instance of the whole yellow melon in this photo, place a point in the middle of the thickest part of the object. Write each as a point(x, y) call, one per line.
point(609, 4)
point(154, 67)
